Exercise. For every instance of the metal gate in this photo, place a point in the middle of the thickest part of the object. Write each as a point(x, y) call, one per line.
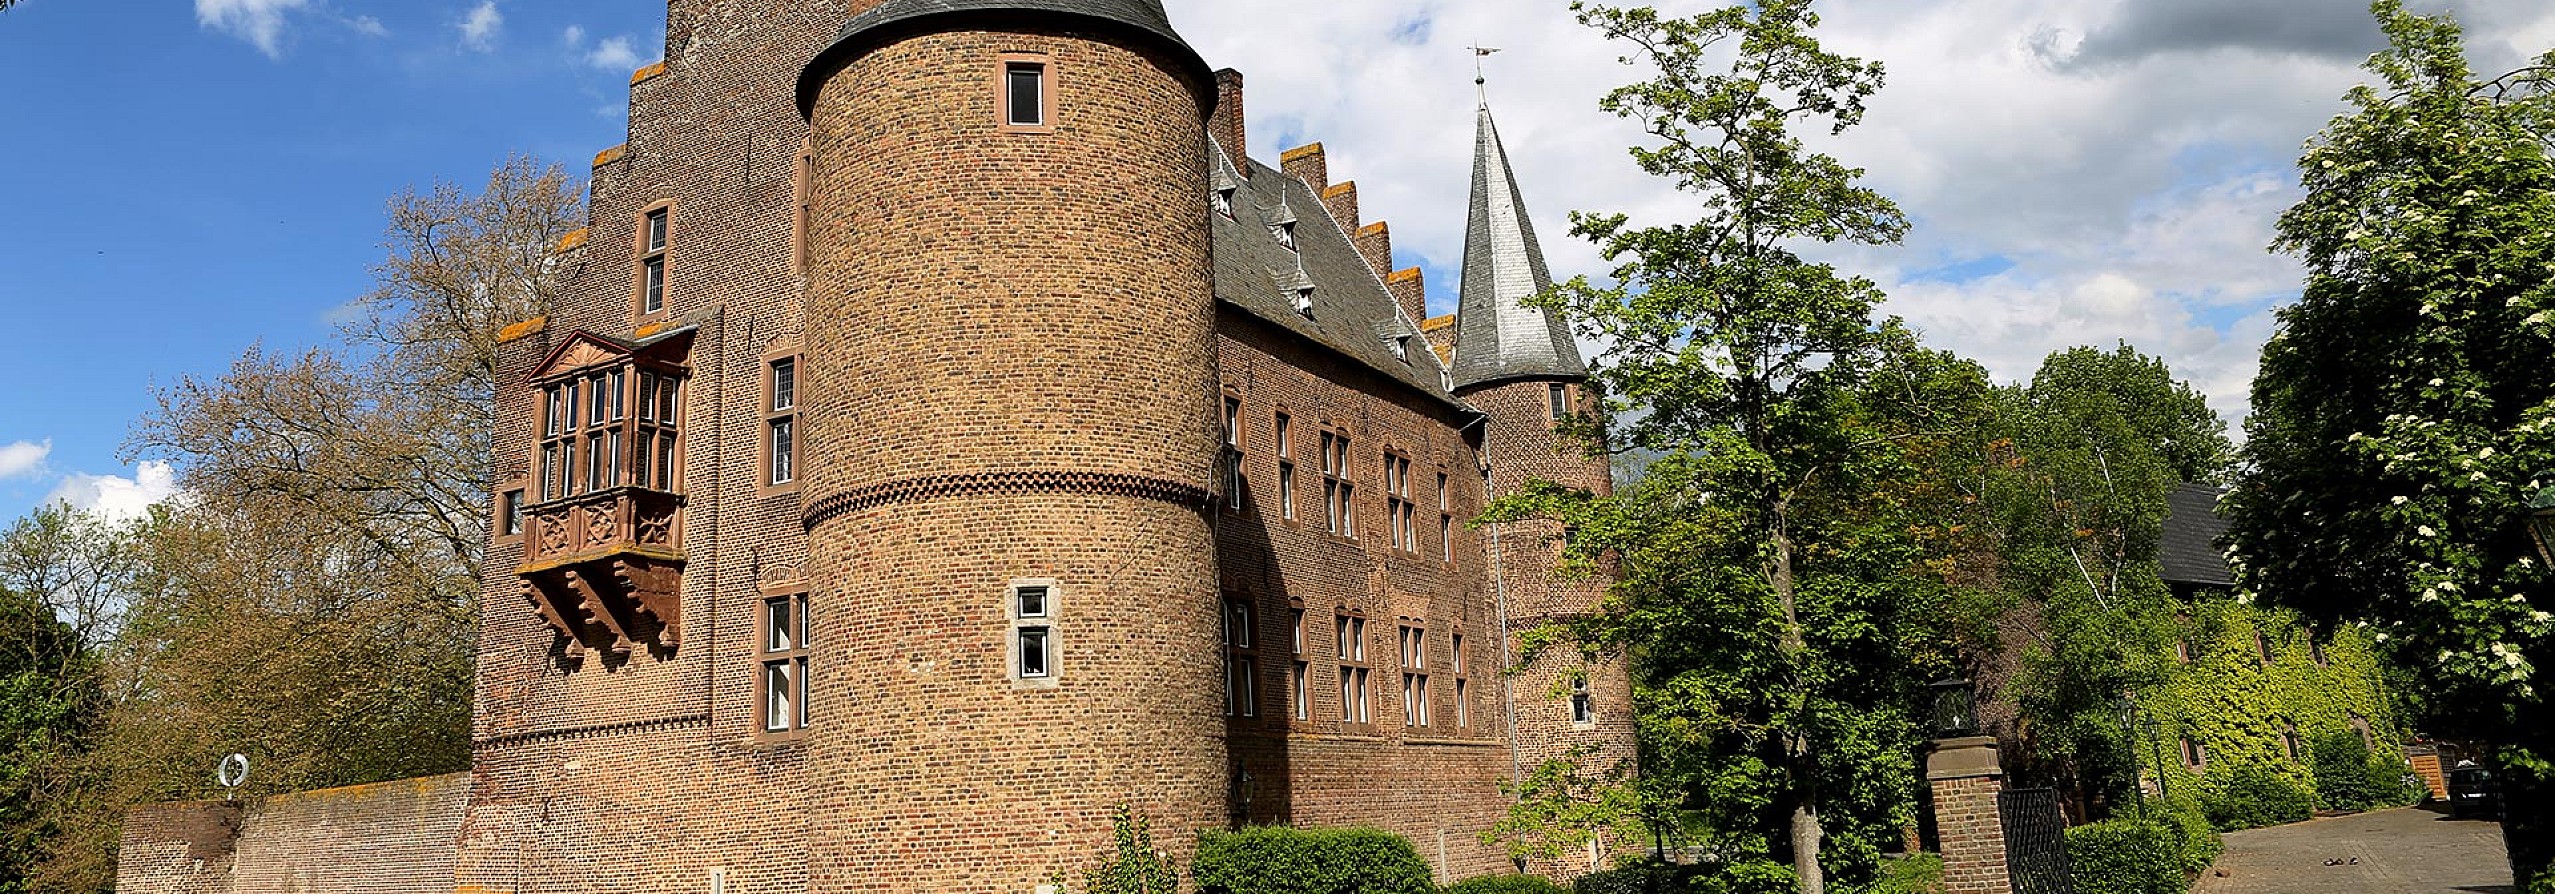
point(2036, 841)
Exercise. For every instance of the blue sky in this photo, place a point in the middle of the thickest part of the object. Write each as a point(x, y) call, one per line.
point(177, 193)
point(186, 179)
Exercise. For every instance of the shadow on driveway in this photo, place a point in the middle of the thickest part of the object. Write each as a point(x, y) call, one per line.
point(2397, 852)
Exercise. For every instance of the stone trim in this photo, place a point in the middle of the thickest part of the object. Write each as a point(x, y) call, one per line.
point(933, 487)
point(692, 721)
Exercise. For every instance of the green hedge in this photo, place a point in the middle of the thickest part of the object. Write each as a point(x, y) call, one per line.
point(1638, 878)
point(2126, 856)
point(1506, 884)
point(2196, 838)
point(2350, 777)
point(2254, 797)
point(1281, 860)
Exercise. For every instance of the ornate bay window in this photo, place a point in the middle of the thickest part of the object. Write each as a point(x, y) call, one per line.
point(603, 541)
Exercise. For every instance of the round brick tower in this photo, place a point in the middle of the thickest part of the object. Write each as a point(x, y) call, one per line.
point(1011, 442)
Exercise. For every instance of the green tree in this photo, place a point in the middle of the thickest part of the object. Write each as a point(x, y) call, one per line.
point(1772, 592)
point(313, 602)
point(2091, 448)
point(62, 577)
point(2405, 412)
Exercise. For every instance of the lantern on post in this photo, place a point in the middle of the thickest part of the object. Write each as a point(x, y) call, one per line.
point(1955, 709)
point(2541, 523)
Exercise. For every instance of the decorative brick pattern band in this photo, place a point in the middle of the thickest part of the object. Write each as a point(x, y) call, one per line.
point(872, 496)
point(695, 721)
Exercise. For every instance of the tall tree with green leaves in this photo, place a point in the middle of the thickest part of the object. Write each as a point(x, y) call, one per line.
point(2092, 447)
point(2405, 412)
point(63, 578)
point(1772, 589)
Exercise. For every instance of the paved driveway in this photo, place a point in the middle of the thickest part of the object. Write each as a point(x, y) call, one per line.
point(2400, 852)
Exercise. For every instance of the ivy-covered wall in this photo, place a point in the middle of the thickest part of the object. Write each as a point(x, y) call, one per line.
point(2239, 707)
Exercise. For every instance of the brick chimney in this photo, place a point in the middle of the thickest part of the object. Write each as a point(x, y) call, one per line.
point(1226, 125)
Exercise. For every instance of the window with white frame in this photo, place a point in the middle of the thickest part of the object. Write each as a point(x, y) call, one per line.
point(780, 422)
point(1355, 706)
point(655, 240)
point(1338, 494)
point(1583, 704)
point(1415, 708)
point(783, 683)
point(1463, 693)
point(1445, 520)
point(1398, 508)
point(1241, 661)
point(1233, 484)
point(1297, 688)
point(1032, 607)
point(1284, 429)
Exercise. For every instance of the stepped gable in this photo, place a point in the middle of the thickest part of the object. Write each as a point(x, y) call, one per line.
point(1498, 337)
point(1352, 314)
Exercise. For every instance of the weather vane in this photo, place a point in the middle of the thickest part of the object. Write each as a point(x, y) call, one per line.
point(1480, 81)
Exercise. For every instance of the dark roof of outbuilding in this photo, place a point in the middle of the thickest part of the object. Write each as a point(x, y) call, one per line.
point(1352, 313)
point(2190, 551)
point(886, 21)
point(1498, 337)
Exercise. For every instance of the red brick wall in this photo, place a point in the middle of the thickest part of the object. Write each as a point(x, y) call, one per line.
point(1973, 835)
point(392, 836)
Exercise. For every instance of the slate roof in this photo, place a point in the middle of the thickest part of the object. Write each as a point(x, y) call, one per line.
point(888, 20)
point(1497, 336)
point(1352, 313)
point(2192, 527)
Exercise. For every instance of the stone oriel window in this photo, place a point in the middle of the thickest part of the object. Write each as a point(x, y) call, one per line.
point(656, 250)
point(1286, 466)
point(1415, 707)
point(1355, 704)
point(780, 423)
point(1241, 660)
point(1398, 508)
point(1033, 650)
point(1025, 84)
point(781, 687)
point(592, 440)
point(1339, 496)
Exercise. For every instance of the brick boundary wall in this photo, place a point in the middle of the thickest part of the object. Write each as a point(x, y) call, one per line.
point(390, 836)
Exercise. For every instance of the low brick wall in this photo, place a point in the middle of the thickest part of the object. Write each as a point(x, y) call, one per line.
point(388, 837)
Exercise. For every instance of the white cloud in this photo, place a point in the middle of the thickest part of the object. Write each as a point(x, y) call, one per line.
point(574, 37)
point(117, 497)
point(260, 22)
point(2132, 200)
point(480, 28)
point(614, 54)
point(23, 458)
point(368, 26)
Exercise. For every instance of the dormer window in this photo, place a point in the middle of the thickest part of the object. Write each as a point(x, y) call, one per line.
point(1304, 302)
point(1400, 345)
point(1284, 233)
point(1222, 199)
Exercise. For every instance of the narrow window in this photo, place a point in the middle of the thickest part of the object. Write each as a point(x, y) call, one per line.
point(1286, 467)
point(510, 513)
point(1560, 396)
point(1463, 705)
point(2194, 754)
point(1445, 520)
point(2289, 741)
point(1032, 608)
point(2262, 645)
point(780, 422)
point(785, 663)
point(1233, 484)
point(1583, 704)
point(1303, 697)
point(803, 221)
point(2315, 649)
point(1355, 705)
point(1025, 90)
point(652, 253)
point(1241, 664)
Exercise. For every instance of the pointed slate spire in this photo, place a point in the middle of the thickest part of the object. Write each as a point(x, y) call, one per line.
point(1497, 336)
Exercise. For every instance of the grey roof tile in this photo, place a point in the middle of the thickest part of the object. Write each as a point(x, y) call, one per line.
point(1351, 308)
point(1496, 335)
point(2190, 551)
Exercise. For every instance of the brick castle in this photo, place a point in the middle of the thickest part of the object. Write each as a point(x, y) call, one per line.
point(948, 434)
